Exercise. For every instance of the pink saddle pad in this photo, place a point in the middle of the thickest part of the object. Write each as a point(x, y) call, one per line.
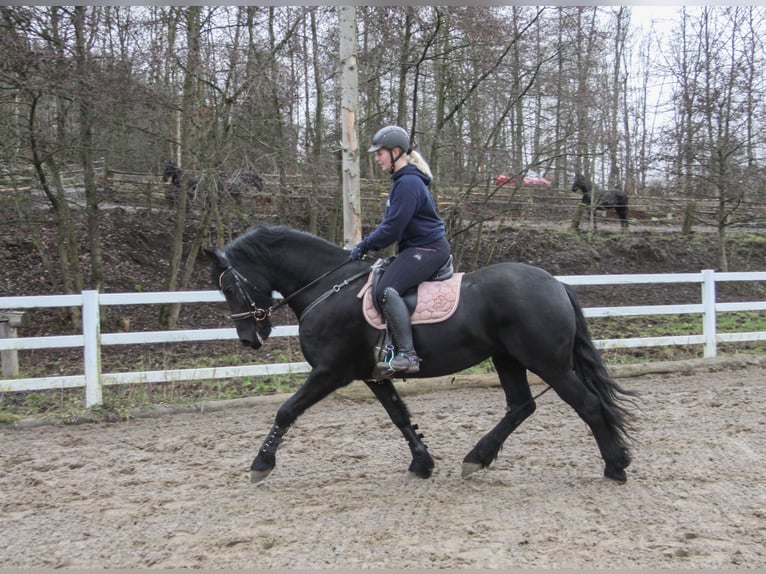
point(437, 301)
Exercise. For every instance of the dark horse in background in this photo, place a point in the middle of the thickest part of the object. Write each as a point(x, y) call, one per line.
point(518, 315)
point(234, 184)
point(615, 199)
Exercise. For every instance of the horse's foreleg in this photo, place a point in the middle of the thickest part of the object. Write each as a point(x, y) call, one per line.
point(317, 386)
point(519, 406)
point(422, 464)
point(266, 459)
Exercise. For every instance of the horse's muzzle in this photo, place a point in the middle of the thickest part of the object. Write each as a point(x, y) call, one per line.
point(254, 340)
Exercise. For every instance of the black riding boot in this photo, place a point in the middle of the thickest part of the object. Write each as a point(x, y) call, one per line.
point(398, 321)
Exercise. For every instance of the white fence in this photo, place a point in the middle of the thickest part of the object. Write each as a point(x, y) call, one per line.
point(92, 339)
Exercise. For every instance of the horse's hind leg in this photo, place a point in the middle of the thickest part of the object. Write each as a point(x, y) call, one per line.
point(624, 218)
point(519, 405)
point(422, 464)
point(590, 407)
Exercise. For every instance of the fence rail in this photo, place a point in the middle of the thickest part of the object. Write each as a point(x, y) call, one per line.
point(91, 339)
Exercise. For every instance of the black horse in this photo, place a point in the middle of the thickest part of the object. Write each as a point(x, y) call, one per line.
point(241, 180)
point(519, 315)
point(173, 176)
point(233, 184)
point(615, 199)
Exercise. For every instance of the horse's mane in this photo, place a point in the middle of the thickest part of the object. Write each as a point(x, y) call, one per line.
point(262, 241)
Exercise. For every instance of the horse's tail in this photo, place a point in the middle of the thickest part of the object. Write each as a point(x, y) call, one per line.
point(590, 369)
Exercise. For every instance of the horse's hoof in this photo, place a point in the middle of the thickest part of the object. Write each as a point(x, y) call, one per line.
point(618, 475)
point(469, 468)
point(421, 471)
point(257, 476)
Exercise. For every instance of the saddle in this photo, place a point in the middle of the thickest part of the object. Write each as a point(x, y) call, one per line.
point(432, 301)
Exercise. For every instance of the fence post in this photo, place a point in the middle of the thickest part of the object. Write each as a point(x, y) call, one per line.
point(8, 359)
point(91, 330)
point(708, 314)
point(9, 321)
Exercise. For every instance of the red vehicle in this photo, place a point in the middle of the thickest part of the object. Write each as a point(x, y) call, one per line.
point(531, 179)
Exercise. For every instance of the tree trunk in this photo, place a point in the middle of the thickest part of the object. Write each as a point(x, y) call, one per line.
point(315, 143)
point(614, 101)
point(404, 65)
point(586, 44)
point(169, 313)
point(278, 127)
point(352, 212)
point(44, 157)
point(86, 118)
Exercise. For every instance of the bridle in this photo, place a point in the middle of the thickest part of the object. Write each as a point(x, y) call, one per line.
point(255, 312)
point(259, 314)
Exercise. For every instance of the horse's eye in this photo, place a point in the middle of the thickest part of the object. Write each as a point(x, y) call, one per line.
point(228, 291)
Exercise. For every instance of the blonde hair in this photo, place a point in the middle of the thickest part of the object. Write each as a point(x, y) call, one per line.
point(419, 162)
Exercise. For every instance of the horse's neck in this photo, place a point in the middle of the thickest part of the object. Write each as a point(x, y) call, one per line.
point(293, 276)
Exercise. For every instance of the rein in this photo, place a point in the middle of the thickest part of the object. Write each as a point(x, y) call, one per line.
point(331, 291)
point(261, 314)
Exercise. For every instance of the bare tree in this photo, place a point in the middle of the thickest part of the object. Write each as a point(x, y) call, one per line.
point(84, 93)
point(169, 313)
point(36, 66)
point(352, 224)
point(586, 137)
point(715, 108)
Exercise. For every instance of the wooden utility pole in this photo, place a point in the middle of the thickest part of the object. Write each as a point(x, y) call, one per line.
point(352, 211)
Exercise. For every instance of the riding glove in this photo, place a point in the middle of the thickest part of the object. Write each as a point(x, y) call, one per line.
point(358, 251)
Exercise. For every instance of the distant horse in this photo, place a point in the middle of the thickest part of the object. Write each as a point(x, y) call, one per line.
point(234, 184)
point(242, 180)
point(518, 315)
point(173, 176)
point(615, 199)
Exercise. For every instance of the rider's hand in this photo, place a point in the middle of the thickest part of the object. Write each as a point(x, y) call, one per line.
point(357, 252)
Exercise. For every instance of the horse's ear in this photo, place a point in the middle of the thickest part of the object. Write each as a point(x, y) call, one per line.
point(216, 255)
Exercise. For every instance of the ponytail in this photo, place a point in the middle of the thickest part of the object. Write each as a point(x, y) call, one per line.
point(419, 162)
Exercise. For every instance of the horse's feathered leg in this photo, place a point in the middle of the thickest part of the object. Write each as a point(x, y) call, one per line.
point(590, 405)
point(519, 405)
point(318, 385)
point(422, 464)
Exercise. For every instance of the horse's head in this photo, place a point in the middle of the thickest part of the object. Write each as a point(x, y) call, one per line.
point(581, 183)
point(248, 297)
point(171, 173)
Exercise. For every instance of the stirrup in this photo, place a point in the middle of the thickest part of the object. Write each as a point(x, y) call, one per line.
point(402, 363)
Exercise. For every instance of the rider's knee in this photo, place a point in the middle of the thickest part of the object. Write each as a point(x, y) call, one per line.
point(388, 292)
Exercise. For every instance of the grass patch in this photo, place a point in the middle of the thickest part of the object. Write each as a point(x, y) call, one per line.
point(8, 418)
point(120, 400)
point(741, 322)
point(125, 398)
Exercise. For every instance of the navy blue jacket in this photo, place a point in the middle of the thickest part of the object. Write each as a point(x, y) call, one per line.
point(411, 219)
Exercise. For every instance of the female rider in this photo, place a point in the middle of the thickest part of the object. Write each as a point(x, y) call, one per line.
point(412, 222)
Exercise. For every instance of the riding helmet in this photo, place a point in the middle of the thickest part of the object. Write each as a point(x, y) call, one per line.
point(390, 137)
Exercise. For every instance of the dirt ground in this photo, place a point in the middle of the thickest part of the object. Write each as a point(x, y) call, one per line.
point(173, 491)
